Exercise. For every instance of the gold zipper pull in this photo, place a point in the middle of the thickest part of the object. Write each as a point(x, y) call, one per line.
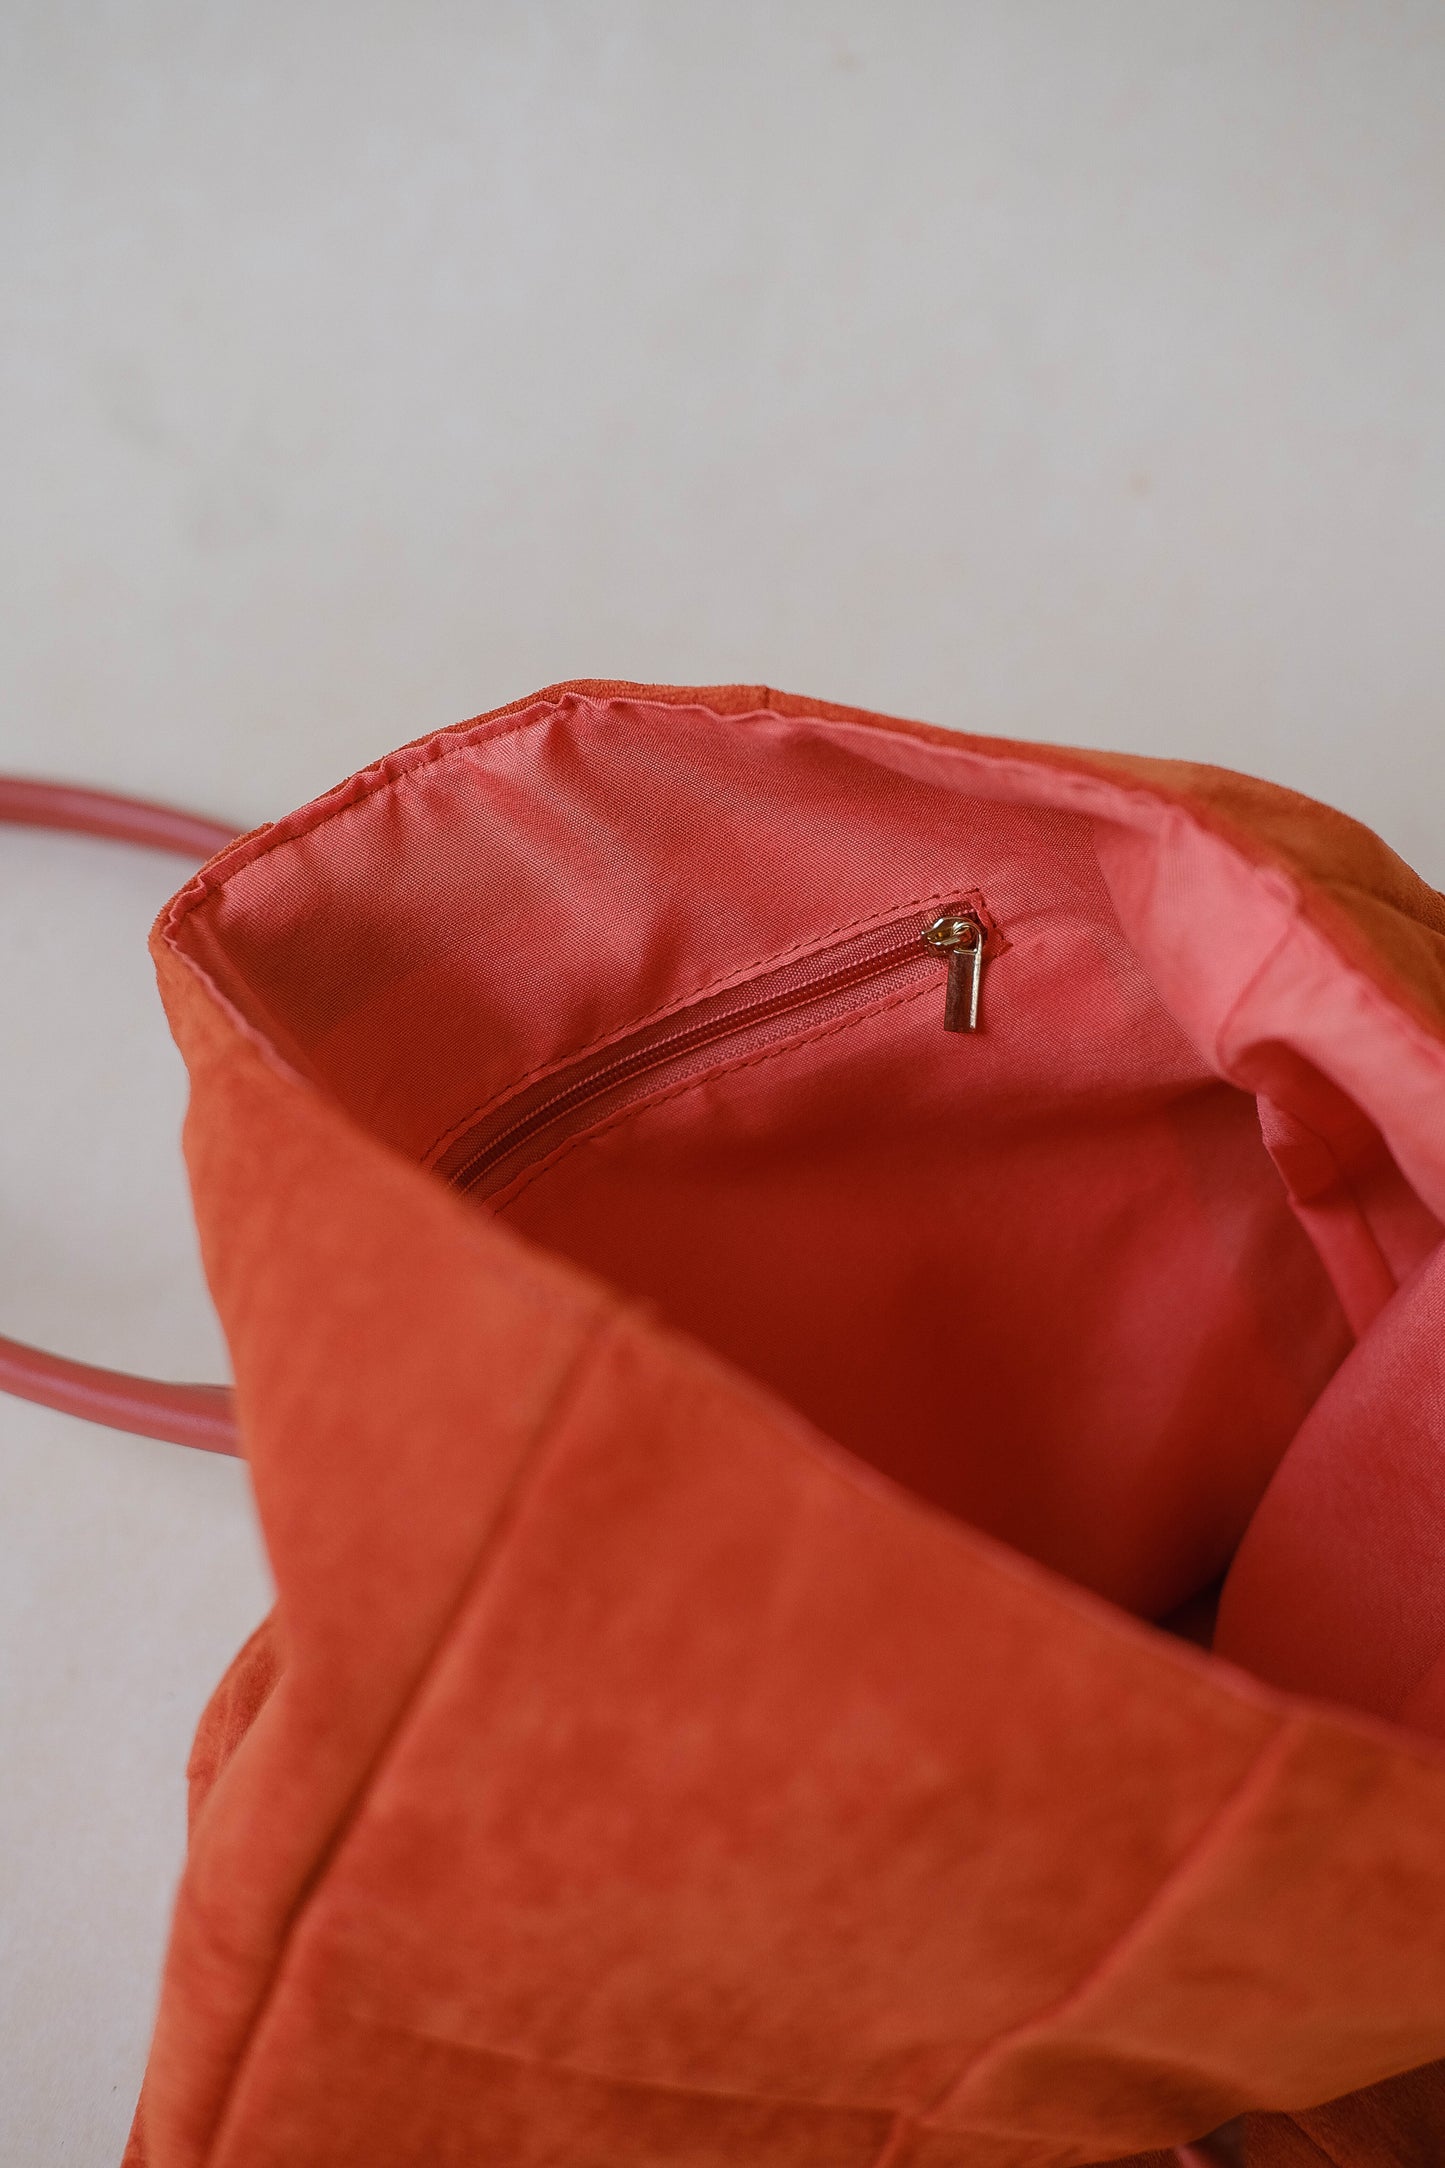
point(962, 939)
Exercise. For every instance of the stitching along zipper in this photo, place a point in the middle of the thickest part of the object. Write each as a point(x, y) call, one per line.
point(776, 1005)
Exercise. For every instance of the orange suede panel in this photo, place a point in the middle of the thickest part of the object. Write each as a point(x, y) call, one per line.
point(353, 2092)
point(632, 1778)
point(231, 1711)
point(754, 1762)
point(1329, 1852)
point(304, 1263)
point(1402, 2122)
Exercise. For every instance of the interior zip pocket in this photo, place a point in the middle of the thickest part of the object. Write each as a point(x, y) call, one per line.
point(743, 1019)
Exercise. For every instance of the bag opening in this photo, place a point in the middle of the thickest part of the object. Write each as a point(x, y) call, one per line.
point(1103, 1278)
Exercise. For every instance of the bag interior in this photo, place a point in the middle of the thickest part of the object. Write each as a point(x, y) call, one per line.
point(1133, 1279)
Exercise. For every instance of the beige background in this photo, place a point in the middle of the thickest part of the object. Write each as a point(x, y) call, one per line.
point(1069, 368)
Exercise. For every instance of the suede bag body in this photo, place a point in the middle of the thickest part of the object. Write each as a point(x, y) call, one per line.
point(849, 1594)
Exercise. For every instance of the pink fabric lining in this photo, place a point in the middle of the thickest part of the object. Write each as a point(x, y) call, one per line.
point(1049, 1278)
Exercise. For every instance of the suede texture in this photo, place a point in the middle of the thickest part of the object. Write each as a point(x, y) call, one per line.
point(653, 1761)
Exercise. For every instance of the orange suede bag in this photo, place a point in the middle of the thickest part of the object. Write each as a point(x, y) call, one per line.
point(838, 1329)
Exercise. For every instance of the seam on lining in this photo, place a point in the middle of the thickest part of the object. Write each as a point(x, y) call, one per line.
point(1345, 1183)
point(1297, 925)
point(1230, 1812)
point(412, 759)
point(409, 761)
point(354, 790)
point(493, 1542)
point(1276, 948)
point(1095, 789)
point(505, 1198)
point(737, 975)
point(1085, 790)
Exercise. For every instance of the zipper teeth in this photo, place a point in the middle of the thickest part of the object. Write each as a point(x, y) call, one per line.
point(905, 944)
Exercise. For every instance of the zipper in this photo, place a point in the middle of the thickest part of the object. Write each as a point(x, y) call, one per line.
point(960, 938)
point(764, 1010)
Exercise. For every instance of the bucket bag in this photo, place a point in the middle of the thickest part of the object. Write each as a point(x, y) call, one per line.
point(839, 1333)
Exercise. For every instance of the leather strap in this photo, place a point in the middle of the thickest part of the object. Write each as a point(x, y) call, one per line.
point(199, 1415)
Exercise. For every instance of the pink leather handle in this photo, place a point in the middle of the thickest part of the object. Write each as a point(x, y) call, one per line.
point(199, 1415)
